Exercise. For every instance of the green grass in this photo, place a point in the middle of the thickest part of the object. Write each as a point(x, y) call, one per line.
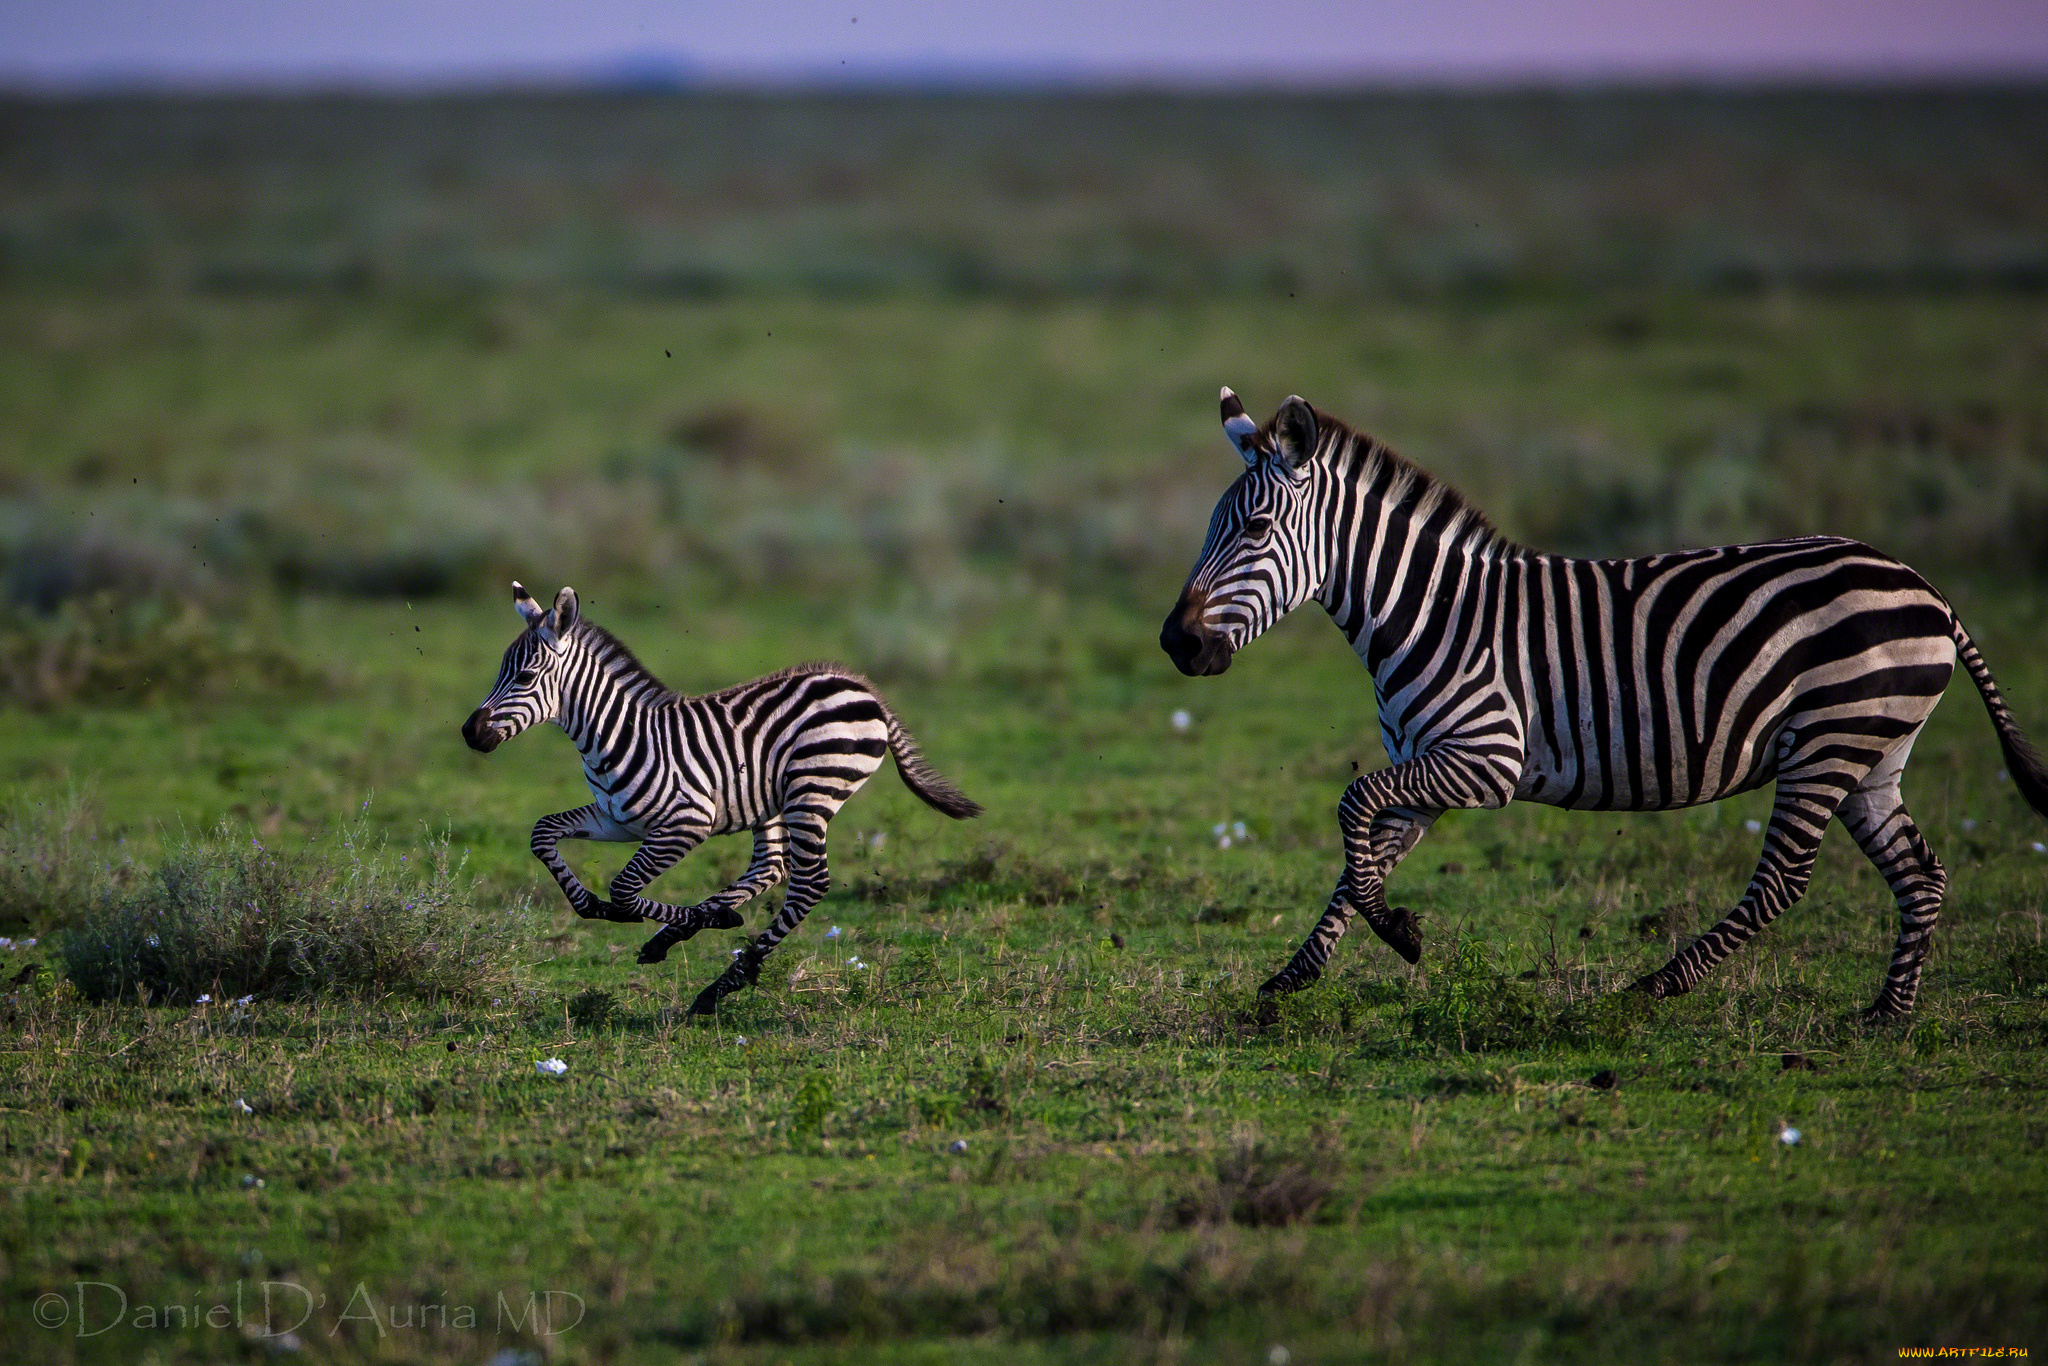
point(289, 391)
point(1139, 1139)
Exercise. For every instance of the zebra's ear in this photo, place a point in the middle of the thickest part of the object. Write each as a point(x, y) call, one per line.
point(529, 610)
point(1294, 431)
point(1242, 431)
point(555, 623)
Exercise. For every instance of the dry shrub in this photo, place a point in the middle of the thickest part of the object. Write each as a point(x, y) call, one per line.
point(224, 916)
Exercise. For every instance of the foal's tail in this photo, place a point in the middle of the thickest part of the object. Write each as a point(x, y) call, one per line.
point(2028, 769)
point(920, 777)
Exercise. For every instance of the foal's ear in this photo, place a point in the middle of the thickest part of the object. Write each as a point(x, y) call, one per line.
point(556, 621)
point(529, 610)
point(565, 610)
point(1295, 431)
point(1242, 431)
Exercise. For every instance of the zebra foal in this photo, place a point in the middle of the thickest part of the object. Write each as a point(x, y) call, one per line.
point(778, 756)
point(1605, 685)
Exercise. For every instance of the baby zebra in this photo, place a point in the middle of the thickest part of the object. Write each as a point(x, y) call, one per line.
point(778, 756)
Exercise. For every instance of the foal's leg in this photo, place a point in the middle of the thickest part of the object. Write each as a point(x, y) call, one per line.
point(805, 819)
point(584, 823)
point(721, 911)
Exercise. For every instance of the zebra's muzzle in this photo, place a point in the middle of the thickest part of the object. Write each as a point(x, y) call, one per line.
point(1197, 651)
point(477, 732)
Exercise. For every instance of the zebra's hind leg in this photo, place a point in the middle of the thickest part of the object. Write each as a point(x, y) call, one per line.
point(1877, 820)
point(1799, 818)
point(1371, 851)
point(721, 911)
point(809, 880)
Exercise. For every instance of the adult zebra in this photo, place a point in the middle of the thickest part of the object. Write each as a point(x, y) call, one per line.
point(779, 756)
point(1636, 685)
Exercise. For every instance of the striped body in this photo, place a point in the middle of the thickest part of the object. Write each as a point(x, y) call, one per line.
point(778, 756)
point(1641, 684)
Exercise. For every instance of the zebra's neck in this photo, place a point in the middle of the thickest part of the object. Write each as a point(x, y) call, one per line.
point(603, 691)
point(1407, 555)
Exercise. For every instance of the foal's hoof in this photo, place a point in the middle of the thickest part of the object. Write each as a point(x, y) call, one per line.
point(1286, 981)
point(653, 951)
point(1401, 932)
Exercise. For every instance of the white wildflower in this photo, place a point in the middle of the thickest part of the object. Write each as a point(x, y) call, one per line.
point(1220, 829)
point(1237, 830)
point(740, 1039)
point(959, 1145)
point(5, 943)
point(246, 1000)
point(1752, 826)
point(242, 1106)
point(252, 1182)
point(877, 840)
point(1969, 824)
point(1789, 1136)
point(2040, 848)
point(551, 1067)
point(1276, 1355)
point(1181, 720)
point(855, 963)
point(832, 933)
point(207, 999)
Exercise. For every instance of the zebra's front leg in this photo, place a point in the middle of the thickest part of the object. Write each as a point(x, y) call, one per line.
point(1409, 795)
point(584, 823)
point(809, 880)
point(1372, 849)
point(660, 850)
point(721, 911)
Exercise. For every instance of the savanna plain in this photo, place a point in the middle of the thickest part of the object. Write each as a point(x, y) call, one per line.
point(291, 390)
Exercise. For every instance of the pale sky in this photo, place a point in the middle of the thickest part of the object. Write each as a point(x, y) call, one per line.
point(73, 43)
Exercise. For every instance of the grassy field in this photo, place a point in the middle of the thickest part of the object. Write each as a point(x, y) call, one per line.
point(255, 530)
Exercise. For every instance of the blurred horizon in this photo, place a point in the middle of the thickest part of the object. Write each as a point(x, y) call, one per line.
point(237, 46)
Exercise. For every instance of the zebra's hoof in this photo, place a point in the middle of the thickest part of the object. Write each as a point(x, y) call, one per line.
point(1401, 933)
point(1282, 984)
point(708, 999)
point(653, 951)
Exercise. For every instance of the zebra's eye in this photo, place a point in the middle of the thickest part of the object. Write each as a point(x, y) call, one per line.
point(1256, 527)
point(525, 676)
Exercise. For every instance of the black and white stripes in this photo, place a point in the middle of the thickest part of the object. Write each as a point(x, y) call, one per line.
point(778, 756)
point(1643, 684)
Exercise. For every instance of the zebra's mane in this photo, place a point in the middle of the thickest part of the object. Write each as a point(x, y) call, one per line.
point(620, 661)
point(1408, 486)
point(637, 677)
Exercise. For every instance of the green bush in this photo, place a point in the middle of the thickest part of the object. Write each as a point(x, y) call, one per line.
point(56, 862)
point(1473, 1006)
point(111, 648)
point(225, 917)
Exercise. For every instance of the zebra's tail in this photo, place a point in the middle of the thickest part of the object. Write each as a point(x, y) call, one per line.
point(920, 777)
point(2023, 762)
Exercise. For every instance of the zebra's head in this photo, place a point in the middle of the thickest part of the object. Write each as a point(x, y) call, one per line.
point(1255, 566)
point(529, 687)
